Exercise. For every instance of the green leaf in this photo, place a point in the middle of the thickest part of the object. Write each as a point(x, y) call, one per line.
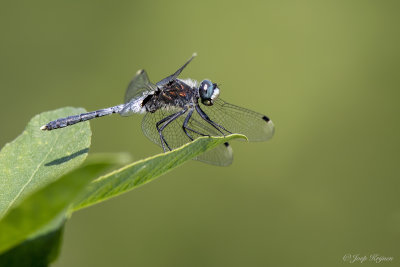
point(36, 157)
point(141, 172)
point(34, 252)
point(45, 210)
point(36, 202)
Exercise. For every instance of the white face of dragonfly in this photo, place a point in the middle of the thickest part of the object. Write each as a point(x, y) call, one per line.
point(208, 92)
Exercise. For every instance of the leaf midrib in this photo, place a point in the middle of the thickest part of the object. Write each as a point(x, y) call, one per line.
point(31, 178)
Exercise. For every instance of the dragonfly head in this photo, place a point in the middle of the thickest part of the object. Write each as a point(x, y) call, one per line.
point(208, 92)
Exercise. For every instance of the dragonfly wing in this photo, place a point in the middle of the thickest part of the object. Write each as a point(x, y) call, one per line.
point(176, 74)
point(137, 90)
point(139, 85)
point(256, 126)
point(222, 155)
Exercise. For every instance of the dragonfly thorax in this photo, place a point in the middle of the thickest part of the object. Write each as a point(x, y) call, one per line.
point(175, 95)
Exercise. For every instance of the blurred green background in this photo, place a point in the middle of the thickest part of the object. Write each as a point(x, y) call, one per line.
point(327, 74)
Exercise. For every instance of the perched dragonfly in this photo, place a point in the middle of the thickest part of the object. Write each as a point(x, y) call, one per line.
point(178, 111)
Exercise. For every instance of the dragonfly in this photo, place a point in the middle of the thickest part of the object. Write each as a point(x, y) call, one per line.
point(178, 111)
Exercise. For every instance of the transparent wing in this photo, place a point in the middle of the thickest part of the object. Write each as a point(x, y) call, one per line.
point(176, 137)
point(176, 74)
point(137, 90)
point(222, 155)
point(139, 85)
point(256, 126)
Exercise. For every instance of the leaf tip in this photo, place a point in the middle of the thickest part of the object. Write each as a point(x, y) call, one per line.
point(240, 136)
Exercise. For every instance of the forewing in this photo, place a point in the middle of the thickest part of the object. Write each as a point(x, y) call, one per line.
point(255, 126)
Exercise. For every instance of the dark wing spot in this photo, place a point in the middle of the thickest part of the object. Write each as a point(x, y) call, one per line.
point(266, 118)
point(226, 144)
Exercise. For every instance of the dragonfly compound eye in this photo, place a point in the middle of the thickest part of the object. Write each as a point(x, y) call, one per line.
point(208, 92)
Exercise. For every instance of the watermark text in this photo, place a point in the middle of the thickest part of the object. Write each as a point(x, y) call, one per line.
point(360, 258)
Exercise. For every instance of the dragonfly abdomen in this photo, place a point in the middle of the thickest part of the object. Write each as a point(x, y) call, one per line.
point(67, 121)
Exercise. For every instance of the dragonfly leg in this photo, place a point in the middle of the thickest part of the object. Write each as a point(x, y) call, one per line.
point(161, 136)
point(205, 117)
point(185, 127)
point(167, 120)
